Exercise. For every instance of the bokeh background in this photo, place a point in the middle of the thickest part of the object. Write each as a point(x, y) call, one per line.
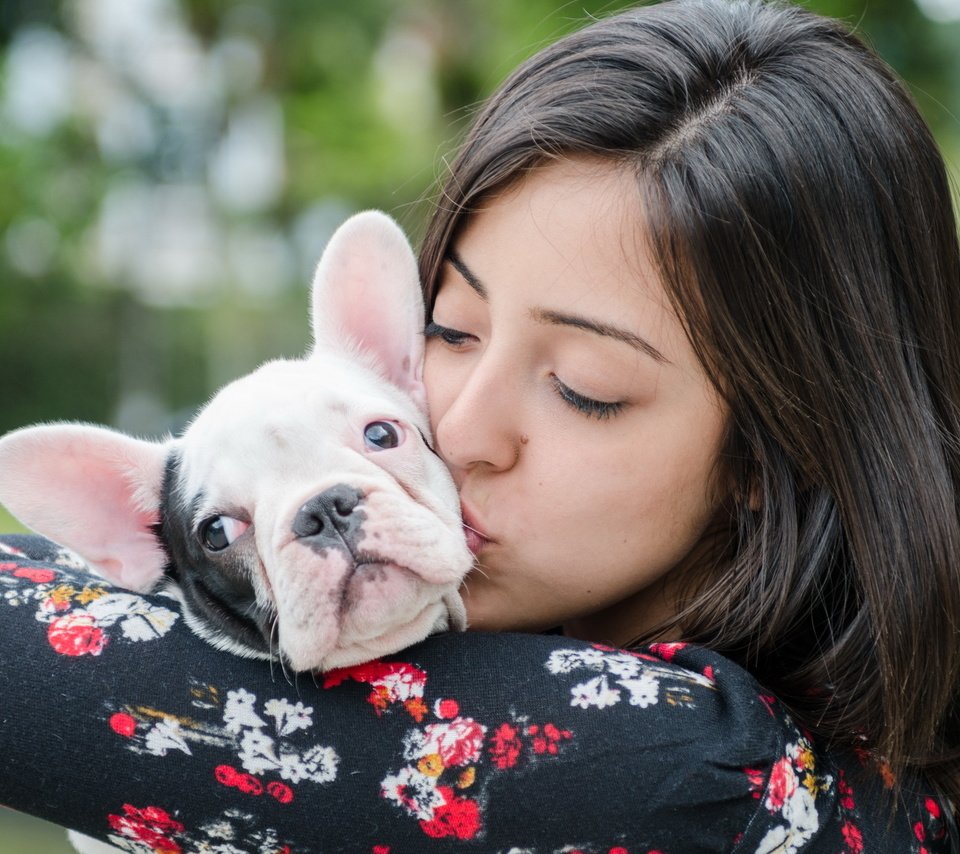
point(170, 171)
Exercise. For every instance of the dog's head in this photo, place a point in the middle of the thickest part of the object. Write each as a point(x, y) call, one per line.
point(302, 512)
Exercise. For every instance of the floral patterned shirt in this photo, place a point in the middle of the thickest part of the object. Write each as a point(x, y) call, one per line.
point(117, 721)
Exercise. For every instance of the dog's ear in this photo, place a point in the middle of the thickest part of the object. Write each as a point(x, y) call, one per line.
point(366, 295)
point(92, 490)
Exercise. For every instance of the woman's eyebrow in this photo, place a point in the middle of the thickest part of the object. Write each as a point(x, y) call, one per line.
point(467, 274)
point(557, 318)
point(543, 315)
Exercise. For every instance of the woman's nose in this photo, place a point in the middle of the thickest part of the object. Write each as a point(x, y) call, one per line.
point(480, 425)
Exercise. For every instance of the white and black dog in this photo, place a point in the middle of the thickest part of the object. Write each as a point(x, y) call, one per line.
point(302, 514)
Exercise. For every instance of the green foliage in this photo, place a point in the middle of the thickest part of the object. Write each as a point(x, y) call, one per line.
point(363, 125)
point(22, 835)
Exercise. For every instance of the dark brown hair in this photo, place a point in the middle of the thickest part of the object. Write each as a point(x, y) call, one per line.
point(800, 214)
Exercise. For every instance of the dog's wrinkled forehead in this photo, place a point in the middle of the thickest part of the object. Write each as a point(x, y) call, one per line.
point(281, 421)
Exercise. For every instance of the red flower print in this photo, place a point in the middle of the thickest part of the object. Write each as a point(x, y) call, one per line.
point(392, 682)
point(248, 784)
point(380, 849)
point(932, 807)
point(547, 739)
point(6, 566)
point(852, 838)
point(280, 791)
point(666, 651)
point(37, 576)
point(226, 774)
point(76, 634)
point(783, 783)
point(505, 746)
point(458, 742)
point(123, 724)
point(458, 817)
point(756, 780)
point(150, 825)
point(446, 709)
point(846, 793)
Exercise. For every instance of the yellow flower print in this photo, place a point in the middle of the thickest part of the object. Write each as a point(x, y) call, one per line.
point(90, 594)
point(62, 594)
point(431, 765)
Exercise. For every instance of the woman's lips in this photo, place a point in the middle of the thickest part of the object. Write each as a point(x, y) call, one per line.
point(476, 537)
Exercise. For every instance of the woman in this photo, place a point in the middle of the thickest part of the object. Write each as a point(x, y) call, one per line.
point(693, 286)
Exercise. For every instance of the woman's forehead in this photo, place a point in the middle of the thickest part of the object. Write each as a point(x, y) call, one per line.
point(565, 242)
point(572, 230)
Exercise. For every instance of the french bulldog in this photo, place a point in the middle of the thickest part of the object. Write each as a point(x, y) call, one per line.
point(303, 514)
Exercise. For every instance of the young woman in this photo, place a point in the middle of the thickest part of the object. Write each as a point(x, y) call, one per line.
point(693, 286)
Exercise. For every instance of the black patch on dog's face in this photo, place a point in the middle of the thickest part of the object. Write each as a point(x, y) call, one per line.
point(216, 586)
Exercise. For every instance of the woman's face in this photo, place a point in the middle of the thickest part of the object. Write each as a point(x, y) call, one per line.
point(579, 426)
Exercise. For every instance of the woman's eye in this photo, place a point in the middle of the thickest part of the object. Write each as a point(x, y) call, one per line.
point(451, 337)
point(587, 405)
point(382, 435)
point(218, 532)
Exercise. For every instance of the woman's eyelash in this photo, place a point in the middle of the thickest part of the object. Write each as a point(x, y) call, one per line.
point(587, 405)
point(449, 336)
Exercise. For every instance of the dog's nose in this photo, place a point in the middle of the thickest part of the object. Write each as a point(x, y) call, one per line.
point(331, 518)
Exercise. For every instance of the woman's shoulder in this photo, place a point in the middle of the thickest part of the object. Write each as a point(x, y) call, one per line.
point(709, 749)
point(499, 742)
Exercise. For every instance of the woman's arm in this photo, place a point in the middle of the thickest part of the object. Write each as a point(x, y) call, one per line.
point(117, 721)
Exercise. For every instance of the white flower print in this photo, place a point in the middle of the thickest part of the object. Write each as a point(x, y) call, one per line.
point(219, 830)
point(795, 803)
point(622, 665)
point(166, 736)
point(10, 550)
point(17, 597)
point(568, 660)
point(414, 791)
point(597, 693)
point(640, 677)
point(139, 619)
point(238, 712)
point(801, 813)
point(644, 691)
point(258, 752)
point(318, 764)
point(289, 717)
point(415, 745)
point(219, 848)
point(402, 685)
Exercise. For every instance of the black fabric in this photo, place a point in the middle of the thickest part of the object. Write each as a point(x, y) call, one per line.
point(115, 719)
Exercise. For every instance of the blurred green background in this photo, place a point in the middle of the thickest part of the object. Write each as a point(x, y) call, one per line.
point(170, 171)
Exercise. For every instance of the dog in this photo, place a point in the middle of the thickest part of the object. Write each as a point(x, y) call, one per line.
point(303, 514)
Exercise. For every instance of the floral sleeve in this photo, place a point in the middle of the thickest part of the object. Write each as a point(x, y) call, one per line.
point(117, 721)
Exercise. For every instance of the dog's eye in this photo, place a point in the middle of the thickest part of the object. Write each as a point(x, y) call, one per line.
point(382, 435)
point(218, 532)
